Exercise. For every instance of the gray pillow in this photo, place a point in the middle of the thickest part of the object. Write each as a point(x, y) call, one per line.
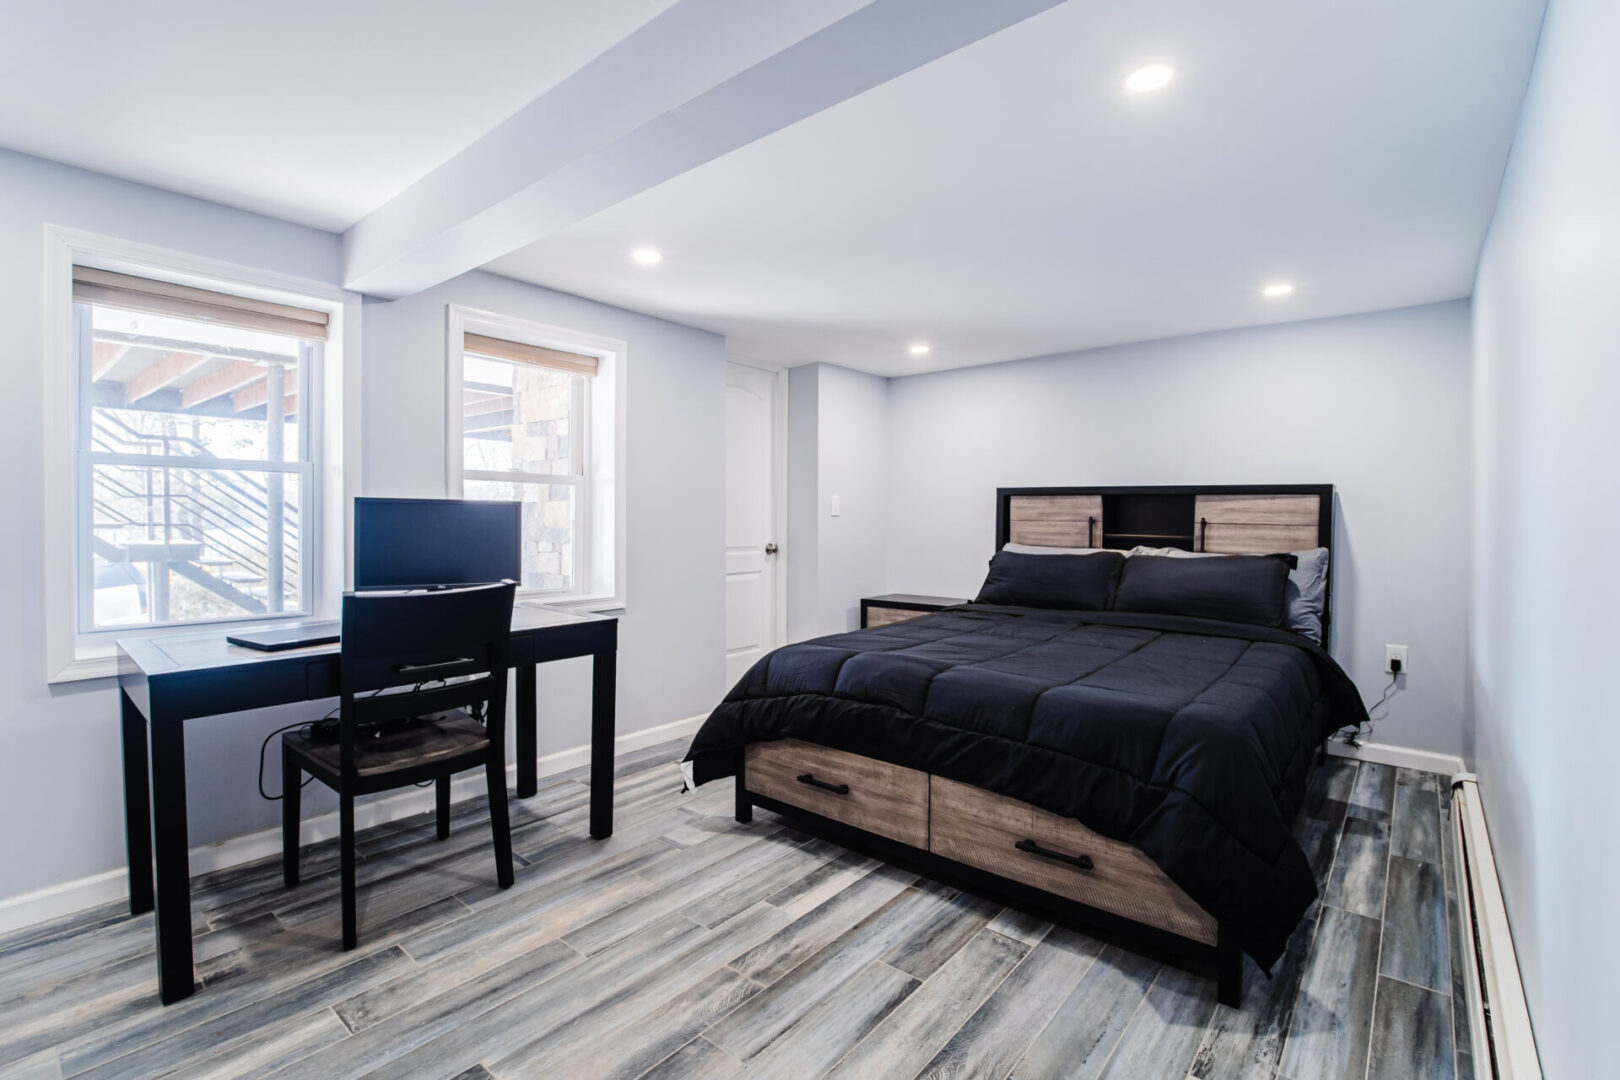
point(1307, 593)
point(1307, 585)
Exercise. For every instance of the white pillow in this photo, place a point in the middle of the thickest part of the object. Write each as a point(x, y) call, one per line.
point(1307, 585)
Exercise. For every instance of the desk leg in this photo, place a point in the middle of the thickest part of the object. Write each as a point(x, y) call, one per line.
point(604, 681)
point(137, 807)
point(173, 861)
point(527, 719)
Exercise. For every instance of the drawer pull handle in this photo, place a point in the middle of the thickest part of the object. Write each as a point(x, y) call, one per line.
point(836, 789)
point(1079, 862)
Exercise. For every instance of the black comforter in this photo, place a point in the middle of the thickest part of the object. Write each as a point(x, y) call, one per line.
point(1189, 738)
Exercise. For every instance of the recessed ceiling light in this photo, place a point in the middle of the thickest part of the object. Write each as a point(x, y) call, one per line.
point(919, 348)
point(647, 256)
point(1281, 288)
point(1152, 77)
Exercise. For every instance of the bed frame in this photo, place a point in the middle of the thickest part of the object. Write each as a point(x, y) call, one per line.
point(1017, 853)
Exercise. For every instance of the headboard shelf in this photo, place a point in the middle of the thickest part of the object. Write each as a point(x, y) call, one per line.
point(1225, 519)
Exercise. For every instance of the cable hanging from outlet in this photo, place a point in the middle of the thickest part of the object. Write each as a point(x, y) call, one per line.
point(1395, 669)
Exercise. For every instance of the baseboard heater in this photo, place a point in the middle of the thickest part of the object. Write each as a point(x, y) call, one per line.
point(1499, 1019)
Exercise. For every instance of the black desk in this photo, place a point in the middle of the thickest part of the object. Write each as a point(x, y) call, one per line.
point(168, 680)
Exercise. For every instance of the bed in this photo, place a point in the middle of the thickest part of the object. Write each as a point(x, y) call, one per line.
point(1122, 763)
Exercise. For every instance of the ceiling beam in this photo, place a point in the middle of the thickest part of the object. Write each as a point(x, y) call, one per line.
point(256, 394)
point(225, 352)
point(161, 373)
point(105, 357)
point(225, 380)
point(477, 403)
point(700, 80)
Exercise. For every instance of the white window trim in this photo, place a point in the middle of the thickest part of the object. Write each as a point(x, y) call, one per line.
point(604, 482)
point(334, 421)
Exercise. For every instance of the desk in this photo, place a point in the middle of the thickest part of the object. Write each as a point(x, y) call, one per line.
point(168, 680)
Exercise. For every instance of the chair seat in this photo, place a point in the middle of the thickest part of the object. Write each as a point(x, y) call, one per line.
point(440, 739)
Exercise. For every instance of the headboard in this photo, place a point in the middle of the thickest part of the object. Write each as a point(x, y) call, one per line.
point(1258, 519)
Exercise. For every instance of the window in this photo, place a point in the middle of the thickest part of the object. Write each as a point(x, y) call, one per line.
point(170, 496)
point(194, 471)
point(533, 419)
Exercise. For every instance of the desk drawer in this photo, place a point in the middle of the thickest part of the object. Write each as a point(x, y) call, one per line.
point(873, 795)
point(982, 829)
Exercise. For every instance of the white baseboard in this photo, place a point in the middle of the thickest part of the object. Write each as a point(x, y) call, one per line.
point(70, 896)
point(1403, 757)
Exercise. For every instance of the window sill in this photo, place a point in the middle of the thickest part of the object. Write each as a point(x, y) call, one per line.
point(98, 658)
point(592, 604)
point(97, 665)
point(102, 662)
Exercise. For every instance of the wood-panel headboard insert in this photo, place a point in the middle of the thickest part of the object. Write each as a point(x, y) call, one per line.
point(1056, 521)
point(1260, 519)
point(1257, 524)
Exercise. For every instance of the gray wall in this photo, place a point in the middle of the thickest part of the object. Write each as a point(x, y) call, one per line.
point(1376, 404)
point(61, 786)
point(672, 631)
point(854, 467)
point(838, 438)
point(60, 780)
point(801, 548)
point(1547, 499)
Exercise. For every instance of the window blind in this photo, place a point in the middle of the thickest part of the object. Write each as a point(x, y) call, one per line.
point(93, 286)
point(521, 353)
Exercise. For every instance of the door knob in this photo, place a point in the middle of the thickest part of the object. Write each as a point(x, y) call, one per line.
point(770, 549)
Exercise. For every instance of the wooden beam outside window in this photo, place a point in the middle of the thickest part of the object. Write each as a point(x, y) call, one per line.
point(225, 380)
point(161, 373)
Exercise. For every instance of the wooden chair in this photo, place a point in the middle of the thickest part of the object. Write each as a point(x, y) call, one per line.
point(397, 649)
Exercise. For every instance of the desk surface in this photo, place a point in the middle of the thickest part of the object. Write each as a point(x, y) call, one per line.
point(194, 650)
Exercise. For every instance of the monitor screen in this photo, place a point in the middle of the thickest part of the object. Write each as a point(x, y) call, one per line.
point(420, 543)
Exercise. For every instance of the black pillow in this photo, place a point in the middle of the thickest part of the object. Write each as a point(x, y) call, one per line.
point(1235, 588)
point(1070, 582)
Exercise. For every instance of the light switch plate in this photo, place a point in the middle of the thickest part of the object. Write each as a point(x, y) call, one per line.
point(835, 506)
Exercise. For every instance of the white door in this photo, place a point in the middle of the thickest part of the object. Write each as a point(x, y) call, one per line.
point(751, 560)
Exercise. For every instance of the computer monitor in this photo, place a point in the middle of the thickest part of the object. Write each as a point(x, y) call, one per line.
point(422, 543)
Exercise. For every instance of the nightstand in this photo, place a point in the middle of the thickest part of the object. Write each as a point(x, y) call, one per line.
point(898, 607)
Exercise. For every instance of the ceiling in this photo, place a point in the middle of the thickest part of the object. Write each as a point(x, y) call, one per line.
point(310, 110)
point(1012, 199)
point(1009, 199)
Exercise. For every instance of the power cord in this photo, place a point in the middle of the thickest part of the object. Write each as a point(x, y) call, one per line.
point(1381, 703)
point(308, 726)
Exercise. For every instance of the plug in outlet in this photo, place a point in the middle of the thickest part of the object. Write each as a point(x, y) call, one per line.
point(1392, 653)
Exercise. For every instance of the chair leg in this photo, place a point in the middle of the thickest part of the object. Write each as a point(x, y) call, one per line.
point(346, 840)
point(495, 773)
point(292, 779)
point(442, 795)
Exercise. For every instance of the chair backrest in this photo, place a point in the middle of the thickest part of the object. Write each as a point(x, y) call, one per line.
point(417, 639)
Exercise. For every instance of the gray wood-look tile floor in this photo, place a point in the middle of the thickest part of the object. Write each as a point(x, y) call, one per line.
point(689, 946)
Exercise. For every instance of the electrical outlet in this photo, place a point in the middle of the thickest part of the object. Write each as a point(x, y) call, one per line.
point(1393, 653)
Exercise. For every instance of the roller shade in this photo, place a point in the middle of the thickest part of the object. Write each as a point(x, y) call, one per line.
point(537, 355)
point(93, 286)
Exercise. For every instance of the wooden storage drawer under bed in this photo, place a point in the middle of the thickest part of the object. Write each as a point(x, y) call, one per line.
point(1059, 855)
point(889, 800)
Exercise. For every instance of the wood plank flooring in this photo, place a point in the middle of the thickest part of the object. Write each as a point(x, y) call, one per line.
point(690, 946)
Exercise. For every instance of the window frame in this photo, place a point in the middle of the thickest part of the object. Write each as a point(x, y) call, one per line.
point(86, 458)
point(331, 433)
point(599, 487)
